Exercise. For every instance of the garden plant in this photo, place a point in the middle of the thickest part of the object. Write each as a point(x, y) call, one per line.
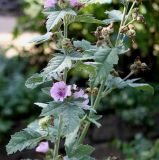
point(68, 116)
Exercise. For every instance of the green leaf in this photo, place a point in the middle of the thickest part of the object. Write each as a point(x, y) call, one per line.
point(115, 15)
point(28, 138)
point(81, 67)
point(55, 18)
point(107, 58)
point(75, 56)
point(117, 82)
point(88, 18)
point(94, 119)
point(71, 139)
point(34, 81)
point(142, 87)
point(42, 38)
point(57, 65)
point(81, 151)
point(46, 90)
point(85, 45)
point(42, 105)
point(70, 112)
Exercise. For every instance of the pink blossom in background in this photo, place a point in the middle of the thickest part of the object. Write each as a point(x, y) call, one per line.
point(73, 2)
point(49, 3)
point(82, 94)
point(60, 91)
point(43, 147)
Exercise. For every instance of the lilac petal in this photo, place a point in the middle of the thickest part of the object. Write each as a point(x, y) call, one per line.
point(82, 94)
point(73, 2)
point(60, 91)
point(79, 94)
point(68, 90)
point(49, 3)
point(43, 147)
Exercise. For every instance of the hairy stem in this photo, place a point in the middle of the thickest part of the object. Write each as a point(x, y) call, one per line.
point(57, 143)
point(121, 24)
point(95, 105)
point(130, 74)
point(65, 36)
point(129, 13)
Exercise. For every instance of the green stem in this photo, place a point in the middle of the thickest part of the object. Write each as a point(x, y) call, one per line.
point(96, 103)
point(130, 74)
point(65, 36)
point(121, 24)
point(65, 30)
point(129, 12)
point(57, 143)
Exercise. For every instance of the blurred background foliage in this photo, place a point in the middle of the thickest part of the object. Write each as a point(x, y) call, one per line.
point(136, 109)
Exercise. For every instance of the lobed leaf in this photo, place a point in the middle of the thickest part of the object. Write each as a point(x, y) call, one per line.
point(88, 18)
point(28, 138)
point(55, 19)
point(117, 82)
point(34, 81)
point(42, 38)
point(70, 112)
point(56, 65)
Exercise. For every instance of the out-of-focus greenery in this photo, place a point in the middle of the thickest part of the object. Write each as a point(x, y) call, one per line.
point(16, 101)
point(134, 107)
point(140, 148)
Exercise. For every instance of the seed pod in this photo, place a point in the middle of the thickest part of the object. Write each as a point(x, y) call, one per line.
point(138, 66)
point(134, 15)
point(67, 45)
point(131, 33)
point(131, 26)
point(124, 29)
point(97, 33)
point(140, 18)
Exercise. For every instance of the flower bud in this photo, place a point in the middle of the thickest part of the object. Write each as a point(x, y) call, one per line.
point(124, 29)
point(131, 33)
point(140, 18)
point(131, 26)
point(138, 66)
point(67, 45)
point(44, 122)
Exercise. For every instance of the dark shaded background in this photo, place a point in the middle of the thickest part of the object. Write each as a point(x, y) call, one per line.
point(130, 119)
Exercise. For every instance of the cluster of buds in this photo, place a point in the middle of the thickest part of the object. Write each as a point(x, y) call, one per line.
point(138, 66)
point(45, 122)
point(103, 35)
point(92, 91)
point(67, 45)
point(129, 30)
point(137, 16)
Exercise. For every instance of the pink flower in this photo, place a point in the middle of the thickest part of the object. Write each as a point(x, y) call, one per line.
point(43, 147)
point(82, 94)
point(74, 3)
point(60, 91)
point(49, 3)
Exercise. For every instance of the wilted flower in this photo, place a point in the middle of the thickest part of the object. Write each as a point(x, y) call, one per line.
point(43, 147)
point(60, 91)
point(49, 3)
point(82, 94)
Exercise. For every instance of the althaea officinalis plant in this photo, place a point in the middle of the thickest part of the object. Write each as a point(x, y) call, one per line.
point(72, 109)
